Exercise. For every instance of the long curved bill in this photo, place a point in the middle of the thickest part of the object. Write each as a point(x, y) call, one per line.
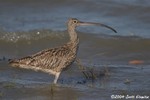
point(99, 24)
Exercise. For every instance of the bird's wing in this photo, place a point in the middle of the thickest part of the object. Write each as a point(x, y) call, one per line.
point(49, 58)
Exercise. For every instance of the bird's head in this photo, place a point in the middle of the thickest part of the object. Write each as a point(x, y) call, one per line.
point(73, 22)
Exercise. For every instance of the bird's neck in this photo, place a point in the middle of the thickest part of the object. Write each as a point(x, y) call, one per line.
point(74, 40)
point(73, 34)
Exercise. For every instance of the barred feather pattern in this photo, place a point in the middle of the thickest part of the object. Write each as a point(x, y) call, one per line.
point(55, 59)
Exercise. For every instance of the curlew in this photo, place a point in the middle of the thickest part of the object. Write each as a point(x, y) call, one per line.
point(55, 60)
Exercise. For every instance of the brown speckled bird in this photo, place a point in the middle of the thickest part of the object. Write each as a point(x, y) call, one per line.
point(55, 60)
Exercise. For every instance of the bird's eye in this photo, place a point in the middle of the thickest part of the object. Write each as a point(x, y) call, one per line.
point(75, 21)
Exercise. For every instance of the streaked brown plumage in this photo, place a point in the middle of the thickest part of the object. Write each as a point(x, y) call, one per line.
point(54, 60)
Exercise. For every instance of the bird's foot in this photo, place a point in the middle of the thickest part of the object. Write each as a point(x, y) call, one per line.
point(54, 85)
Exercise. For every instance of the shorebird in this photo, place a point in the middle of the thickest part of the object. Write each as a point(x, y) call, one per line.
point(55, 60)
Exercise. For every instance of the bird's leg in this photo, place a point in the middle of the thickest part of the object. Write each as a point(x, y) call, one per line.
point(56, 77)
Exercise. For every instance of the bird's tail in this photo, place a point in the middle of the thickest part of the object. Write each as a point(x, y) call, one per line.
point(14, 63)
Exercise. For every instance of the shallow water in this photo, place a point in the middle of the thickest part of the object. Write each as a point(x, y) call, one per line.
point(30, 85)
point(28, 26)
